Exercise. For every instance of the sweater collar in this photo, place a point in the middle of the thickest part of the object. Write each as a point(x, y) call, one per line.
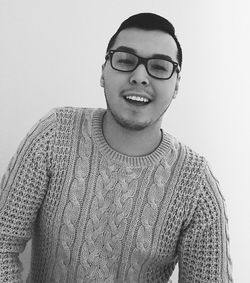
point(134, 161)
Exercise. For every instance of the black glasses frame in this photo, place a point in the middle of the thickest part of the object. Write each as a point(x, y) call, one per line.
point(143, 61)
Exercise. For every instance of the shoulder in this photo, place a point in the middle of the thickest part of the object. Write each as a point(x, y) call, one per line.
point(196, 179)
point(58, 123)
point(187, 160)
point(71, 123)
point(190, 171)
point(68, 114)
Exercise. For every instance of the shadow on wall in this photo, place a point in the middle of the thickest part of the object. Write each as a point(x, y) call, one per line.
point(25, 259)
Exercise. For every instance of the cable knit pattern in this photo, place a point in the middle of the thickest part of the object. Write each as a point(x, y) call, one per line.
point(96, 215)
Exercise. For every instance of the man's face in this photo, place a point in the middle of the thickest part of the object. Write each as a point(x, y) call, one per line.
point(123, 89)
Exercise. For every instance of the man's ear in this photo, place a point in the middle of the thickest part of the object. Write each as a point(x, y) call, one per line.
point(102, 77)
point(177, 86)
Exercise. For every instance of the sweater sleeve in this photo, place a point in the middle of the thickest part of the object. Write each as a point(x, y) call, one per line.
point(204, 244)
point(22, 190)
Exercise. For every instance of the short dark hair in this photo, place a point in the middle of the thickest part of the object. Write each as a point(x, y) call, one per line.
point(148, 21)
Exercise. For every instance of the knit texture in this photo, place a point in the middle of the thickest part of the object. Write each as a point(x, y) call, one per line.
point(95, 215)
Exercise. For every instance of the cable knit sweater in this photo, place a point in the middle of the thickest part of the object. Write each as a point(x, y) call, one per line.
point(95, 215)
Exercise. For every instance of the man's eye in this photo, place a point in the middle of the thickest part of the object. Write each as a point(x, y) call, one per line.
point(125, 62)
point(158, 67)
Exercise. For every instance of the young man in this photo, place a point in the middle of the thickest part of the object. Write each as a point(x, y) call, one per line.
point(107, 195)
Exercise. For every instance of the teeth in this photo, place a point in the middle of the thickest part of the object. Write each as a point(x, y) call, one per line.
point(137, 98)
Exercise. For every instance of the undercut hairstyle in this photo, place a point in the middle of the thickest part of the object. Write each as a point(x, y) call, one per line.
point(148, 22)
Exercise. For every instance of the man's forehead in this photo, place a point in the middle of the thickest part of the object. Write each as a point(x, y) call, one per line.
point(147, 43)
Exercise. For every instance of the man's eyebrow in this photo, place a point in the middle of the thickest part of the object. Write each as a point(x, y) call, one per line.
point(125, 48)
point(132, 50)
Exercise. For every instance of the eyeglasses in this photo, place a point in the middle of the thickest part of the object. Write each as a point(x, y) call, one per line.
point(158, 68)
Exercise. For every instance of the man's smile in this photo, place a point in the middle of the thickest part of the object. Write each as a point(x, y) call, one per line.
point(138, 98)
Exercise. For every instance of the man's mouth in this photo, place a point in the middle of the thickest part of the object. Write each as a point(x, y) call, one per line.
point(137, 100)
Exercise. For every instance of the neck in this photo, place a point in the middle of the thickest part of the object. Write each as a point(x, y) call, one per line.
point(131, 142)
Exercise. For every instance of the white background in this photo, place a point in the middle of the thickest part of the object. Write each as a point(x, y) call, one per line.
point(51, 53)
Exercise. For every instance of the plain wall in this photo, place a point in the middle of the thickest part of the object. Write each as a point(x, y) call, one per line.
point(51, 54)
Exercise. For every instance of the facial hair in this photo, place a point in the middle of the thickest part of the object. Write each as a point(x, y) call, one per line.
point(128, 124)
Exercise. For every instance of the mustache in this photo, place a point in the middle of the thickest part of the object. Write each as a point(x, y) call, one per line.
point(138, 90)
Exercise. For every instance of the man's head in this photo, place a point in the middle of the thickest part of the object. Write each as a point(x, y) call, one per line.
point(148, 21)
point(141, 72)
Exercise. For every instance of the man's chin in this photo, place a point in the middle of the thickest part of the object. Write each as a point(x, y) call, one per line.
point(130, 124)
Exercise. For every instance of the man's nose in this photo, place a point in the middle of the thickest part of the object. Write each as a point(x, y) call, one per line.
point(139, 76)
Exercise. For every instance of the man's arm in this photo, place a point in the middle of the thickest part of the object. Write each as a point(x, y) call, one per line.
point(21, 193)
point(203, 247)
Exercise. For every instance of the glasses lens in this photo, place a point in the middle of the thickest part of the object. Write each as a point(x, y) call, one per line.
point(159, 68)
point(123, 61)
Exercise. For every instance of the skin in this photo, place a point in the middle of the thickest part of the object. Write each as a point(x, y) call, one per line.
point(139, 126)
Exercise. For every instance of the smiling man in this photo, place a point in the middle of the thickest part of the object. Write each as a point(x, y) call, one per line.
point(106, 195)
point(140, 79)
